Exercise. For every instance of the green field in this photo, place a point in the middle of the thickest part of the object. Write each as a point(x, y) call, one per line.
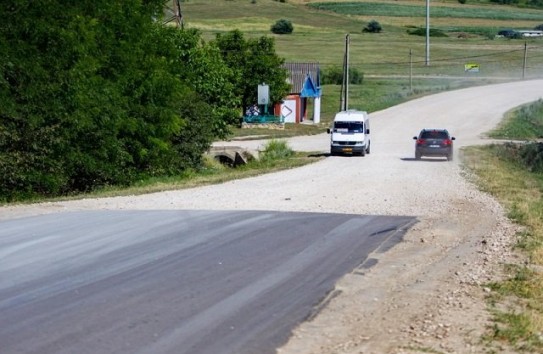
point(403, 10)
point(389, 60)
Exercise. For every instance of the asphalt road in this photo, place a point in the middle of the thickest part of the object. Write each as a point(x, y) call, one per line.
point(175, 281)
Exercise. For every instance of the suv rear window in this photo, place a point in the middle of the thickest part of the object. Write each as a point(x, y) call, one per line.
point(434, 134)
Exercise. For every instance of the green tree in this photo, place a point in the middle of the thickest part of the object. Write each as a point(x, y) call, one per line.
point(90, 95)
point(373, 27)
point(282, 26)
point(253, 62)
point(203, 69)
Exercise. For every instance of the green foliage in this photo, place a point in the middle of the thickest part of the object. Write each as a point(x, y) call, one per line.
point(539, 27)
point(75, 95)
point(535, 3)
point(198, 132)
point(253, 62)
point(282, 26)
point(334, 76)
point(529, 156)
point(517, 329)
point(505, 2)
point(522, 124)
point(90, 96)
point(434, 32)
point(462, 1)
point(276, 150)
point(373, 27)
point(205, 71)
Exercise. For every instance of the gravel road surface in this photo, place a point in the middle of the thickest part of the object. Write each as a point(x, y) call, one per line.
point(426, 293)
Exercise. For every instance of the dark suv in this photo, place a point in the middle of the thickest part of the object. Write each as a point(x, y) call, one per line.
point(434, 142)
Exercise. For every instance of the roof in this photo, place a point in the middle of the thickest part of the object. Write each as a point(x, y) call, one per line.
point(298, 74)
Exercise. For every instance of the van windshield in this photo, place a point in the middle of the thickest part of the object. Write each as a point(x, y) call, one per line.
point(349, 127)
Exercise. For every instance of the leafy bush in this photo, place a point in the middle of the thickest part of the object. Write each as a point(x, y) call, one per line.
point(373, 27)
point(539, 27)
point(334, 76)
point(505, 2)
point(282, 26)
point(434, 32)
point(526, 123)
point(355, 77)
point(529, 155)
point(532, 156)
point(276, 150)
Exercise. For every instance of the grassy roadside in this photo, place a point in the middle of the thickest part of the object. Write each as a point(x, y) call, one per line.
point(277, 156)
point(516, 303)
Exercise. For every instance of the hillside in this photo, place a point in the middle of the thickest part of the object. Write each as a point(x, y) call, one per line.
point(319, 34)
point(393, 62)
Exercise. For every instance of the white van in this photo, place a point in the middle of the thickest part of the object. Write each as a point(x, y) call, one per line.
point(350, 133)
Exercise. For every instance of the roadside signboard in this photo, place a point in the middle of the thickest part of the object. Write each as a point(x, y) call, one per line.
point(471, 68)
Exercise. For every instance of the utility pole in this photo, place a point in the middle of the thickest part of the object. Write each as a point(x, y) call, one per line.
point(348, 42)
point(410, 70)
point(427, 32)
point(344, 95)
point(525, 59)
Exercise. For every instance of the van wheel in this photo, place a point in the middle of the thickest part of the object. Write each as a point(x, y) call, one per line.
point(368, 149)
point(363, 153)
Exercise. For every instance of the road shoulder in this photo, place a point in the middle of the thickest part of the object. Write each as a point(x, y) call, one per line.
point(425, 295)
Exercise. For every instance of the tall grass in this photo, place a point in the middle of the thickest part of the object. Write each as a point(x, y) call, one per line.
point(525, 122)
point(514, 174)
point(275, 150)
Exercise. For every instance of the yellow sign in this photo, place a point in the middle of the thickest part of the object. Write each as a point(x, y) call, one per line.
point(472, 68)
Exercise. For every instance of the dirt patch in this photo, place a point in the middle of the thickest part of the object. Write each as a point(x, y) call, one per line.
point(426, 295)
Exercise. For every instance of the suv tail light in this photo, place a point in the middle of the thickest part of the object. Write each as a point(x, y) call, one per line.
point(447, 141)
point(420, 141)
